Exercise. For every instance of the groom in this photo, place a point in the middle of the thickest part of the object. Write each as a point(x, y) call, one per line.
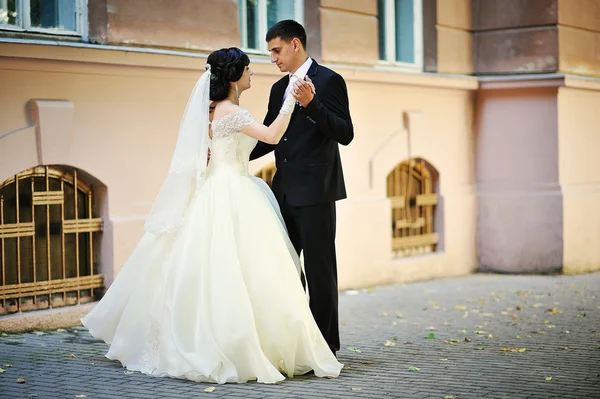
point(309, 176)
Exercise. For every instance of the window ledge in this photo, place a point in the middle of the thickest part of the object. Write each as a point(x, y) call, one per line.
point(401, 76)
point(508, 82)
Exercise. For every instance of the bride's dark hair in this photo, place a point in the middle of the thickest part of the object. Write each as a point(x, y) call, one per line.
point(227, 65)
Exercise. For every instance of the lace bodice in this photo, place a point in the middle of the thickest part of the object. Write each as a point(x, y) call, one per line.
point(230, 149)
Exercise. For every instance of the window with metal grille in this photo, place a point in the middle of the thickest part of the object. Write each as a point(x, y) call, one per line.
point(267, 174)
point(411, 187)
point(48, 240)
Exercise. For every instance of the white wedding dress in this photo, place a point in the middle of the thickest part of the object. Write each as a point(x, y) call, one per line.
point(221, 300)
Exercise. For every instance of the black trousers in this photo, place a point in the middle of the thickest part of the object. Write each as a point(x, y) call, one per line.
point(312, 231)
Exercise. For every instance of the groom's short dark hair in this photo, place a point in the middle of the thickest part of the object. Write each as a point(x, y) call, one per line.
point(287, 30)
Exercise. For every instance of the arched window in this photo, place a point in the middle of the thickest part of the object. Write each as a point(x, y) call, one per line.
point(411, 187)
point(48, 240)
point(267, 174)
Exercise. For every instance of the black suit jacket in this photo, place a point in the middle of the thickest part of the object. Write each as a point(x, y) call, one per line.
point(309, 168)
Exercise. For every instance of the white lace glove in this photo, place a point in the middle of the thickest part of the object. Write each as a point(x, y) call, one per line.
point(288, 105)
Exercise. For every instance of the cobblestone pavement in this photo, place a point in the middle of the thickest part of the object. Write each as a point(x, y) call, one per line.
point(482, 336)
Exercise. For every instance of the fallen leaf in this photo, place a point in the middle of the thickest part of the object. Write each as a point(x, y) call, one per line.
point(38, 333)
point(61, 330)
point(460, 307)
point(389, 343)
point(412, 368)
point(467, 339)
point(398, 315)
point(522, 350)
point(431, 336)
point(211, 389)
point(21, 380)
point(432, 328)
point(479, 348)
point(548, 378)
point(519, 307)
point(356, 389)
point(356, 350)
point(367, 362)
point(80, 396)
point(443, 359)
point(518, 337)
point(2, 371)
point(450, 397)
point(490, 336)
point(463, 331)
point(455, 340)
point(384, 314)
point(7, 365)
point(71, 356)
point(128, 372)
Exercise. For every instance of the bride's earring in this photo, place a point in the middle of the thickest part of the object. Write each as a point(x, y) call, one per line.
point(237, 92)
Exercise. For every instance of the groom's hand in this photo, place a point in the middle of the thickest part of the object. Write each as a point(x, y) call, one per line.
point(304, 91)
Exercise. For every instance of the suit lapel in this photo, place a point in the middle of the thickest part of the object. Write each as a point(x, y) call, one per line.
point(312, 71)
point(279, 90)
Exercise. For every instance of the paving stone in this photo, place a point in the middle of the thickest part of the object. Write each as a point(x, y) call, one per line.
point(555, 319)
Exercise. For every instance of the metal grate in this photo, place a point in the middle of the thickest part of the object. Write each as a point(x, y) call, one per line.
point(47, 240)
point(267, 174)
point(410, 189)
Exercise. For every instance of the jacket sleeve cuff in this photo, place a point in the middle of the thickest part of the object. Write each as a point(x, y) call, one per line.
point(312, 107)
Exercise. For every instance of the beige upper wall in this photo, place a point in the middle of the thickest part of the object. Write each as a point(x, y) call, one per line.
point(454, 37)
point(368, 7)
point(197, 25)
point(579, 37)
point(455, 14)
point(349, 35)
point(583, 14)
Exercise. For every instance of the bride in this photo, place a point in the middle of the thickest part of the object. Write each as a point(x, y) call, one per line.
point(212, 291)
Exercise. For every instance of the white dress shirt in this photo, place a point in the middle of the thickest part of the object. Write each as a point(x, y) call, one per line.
point(299, 74)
